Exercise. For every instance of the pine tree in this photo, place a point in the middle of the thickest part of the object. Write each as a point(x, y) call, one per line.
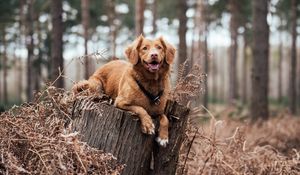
point(260, 68)
point(57, 61)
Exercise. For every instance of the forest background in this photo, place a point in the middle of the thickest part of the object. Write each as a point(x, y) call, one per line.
point(248, 49)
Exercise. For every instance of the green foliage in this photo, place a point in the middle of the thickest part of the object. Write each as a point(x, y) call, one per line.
point(216, 10)
point(128, 19)
point(8, 11)
point(283, 11)
point(167, 9)
point(220, 7)
point(245, 12)
point(283, 103)
point(215, 100)
point(97, 8)
point(9, 104)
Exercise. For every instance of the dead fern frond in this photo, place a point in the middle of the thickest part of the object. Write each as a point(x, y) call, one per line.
point(189, 85)
point(182, 71)
point(98, 56)
point(34, 139)
point(234, 147)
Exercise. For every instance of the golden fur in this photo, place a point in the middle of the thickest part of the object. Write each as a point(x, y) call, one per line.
point(149, 63)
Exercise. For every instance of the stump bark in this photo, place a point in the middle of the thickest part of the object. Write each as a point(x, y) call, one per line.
point(116, 131)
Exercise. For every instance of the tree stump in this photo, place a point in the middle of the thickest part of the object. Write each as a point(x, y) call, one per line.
point(116, 131)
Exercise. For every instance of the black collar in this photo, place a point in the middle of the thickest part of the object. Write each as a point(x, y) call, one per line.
point(153, 98)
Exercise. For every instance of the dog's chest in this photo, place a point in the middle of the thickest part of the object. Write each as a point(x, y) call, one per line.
point(152, 107)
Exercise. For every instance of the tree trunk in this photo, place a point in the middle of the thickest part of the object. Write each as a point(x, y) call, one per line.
point(182, 52)
point(260, 66)
point(280, 68)
point(292, 84)
point(85, 17)
point(245, 69)
point(78, 74)
point(38, 61)
point(0, 81)
point(139, 17)
point(233, 89)
point(206, 68)
point(4, 67)
point(214, 80)
point(57, 61)
point(17, 80)
point(29, 45)
point(22, 24)
point(196, 47)
point(298, 94)
point(111, 13)
point(154, 14)
point(113, 130)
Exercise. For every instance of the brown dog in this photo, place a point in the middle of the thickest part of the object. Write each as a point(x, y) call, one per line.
point(141, 86)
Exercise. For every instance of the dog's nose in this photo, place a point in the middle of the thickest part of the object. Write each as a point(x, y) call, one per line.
point(154, 55)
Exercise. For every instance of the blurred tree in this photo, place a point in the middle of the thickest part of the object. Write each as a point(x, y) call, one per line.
point(57, 61)
point(280, 60)
point(41, 7)
point(293, 63)
point(166, 8)
point(85, 24)
point(7, 19)
point(234, 8)
point(182, 51)
point(94, 11)
point(205, 21)
point(245, 22)
point(240, 11)
point(245, 70)
point(29, 44)
point(4, 65)
point(22, 33)
point(194, 48)
point(287, 11)
point(139, 16)
point(111, 13)
point(37, 63)
point(281, 13)
point(154, 15)
point(0, 80)
point(260, 69)
point(209, 13)
point(127, 19)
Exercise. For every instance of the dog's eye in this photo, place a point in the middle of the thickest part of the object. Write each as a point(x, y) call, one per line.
point(158, 47)
point(145, 48)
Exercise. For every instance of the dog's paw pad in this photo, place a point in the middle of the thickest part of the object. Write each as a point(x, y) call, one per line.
point(162, 142)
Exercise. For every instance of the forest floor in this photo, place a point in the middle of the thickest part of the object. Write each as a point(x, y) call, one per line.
point(33, 139)
point(224, 141)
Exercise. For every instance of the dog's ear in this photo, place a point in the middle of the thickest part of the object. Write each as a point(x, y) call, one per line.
point(170, 50)
point(132, 51)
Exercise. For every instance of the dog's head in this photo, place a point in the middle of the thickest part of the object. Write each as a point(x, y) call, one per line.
point(151, 53)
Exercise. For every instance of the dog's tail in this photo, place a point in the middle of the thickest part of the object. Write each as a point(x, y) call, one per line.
point(92, 85)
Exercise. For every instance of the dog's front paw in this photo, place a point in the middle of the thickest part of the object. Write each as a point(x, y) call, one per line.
point(162, 142)
point(148, 126)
